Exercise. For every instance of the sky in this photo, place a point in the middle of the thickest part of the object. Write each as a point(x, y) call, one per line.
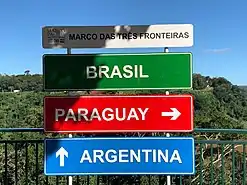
point(220, 30)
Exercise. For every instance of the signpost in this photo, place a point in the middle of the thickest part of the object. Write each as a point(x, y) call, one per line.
point(118, 36)
point(91, 114)
point(99, 114)
point(117, 71)
point(120, 156)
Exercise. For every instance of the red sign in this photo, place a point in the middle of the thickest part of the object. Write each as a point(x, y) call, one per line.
point(94, 114)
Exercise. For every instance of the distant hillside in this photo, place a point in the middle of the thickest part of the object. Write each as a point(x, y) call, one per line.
point(27, 82)
point(218, 103)
point(243, 87)
point(21, 82)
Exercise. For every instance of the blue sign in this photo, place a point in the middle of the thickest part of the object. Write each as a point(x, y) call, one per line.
point(120, 156)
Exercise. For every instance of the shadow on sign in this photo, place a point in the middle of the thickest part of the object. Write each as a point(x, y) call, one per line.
point(49, 110)
point(59, 74)
point(101, 43)
point(112, 30)
point(57, 77)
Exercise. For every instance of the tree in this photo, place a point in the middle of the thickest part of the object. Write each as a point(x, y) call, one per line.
point(223, 106)
point(199, 82)
point(27, 72)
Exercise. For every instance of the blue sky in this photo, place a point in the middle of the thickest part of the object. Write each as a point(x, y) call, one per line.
point(220, 30)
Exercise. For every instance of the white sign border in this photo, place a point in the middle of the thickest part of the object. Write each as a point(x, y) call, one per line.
point(124, 89)
point(120, 138)
point(127, 131)
point(190, 42)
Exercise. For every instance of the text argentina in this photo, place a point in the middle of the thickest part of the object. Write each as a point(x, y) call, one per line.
point(131, 156)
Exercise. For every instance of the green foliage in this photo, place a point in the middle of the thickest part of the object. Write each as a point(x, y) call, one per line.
point(21, 82)
point(217, 103)
point(199, 82)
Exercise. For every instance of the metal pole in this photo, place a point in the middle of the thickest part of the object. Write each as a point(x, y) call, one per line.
point(70, 135)
point(68, 51)
point(166, 50)
point(168, 177)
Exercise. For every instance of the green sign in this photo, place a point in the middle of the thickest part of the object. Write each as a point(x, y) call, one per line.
point(117, 71)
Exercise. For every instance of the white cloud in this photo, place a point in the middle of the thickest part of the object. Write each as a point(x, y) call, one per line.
point(221, 50)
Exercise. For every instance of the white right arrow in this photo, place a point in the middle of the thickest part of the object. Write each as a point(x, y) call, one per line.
point(61, 153)
point(174, 114)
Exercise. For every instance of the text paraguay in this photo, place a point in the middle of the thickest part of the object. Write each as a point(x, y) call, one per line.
point(107, 114)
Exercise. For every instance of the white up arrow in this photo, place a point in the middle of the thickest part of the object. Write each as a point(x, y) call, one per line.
point(174, 114)
point(61, 153)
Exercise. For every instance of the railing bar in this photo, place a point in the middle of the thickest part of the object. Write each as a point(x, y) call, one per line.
point(244, 164)
point(21, 129)
point(201, 164)
point(196, 130)
point(190, 180)
point(233, 164)
point(197, 141)
point(26, 166)
point(97, 179)
point(21, 141)
point(6, 163)
point(211, 165)
point(46, 180)
point(108, 180)
point(16, 164)
point(77, 180)
point(220, 142)
point(237, 131)
point(222, 164)
point(37, 162)
point(57, 180)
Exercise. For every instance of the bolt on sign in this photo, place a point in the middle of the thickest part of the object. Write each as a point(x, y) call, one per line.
point(118, 36)
point(95, 114)
point(117, 71)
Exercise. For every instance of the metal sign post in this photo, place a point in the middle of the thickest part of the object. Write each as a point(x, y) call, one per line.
point(168, 177)
point(70, 135)
point(133, 71)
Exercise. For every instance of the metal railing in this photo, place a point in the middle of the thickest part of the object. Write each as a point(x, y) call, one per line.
point(218, 161)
